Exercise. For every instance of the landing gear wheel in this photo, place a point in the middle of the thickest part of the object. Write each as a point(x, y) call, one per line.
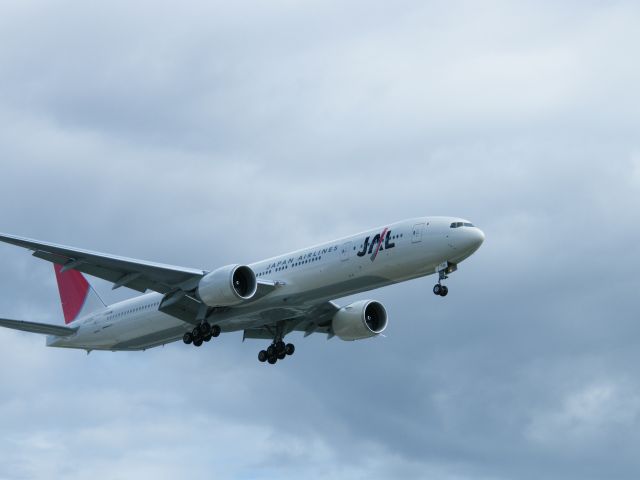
point(207, 337)
point(289, 349)
point(187, 338)
point(282, 355)
point(272, 359)
point(197, 343)
point(205, 328)
point(444, 291)
point(437, 289)
point(215, 331)
point(271, 351)
point(262, 356)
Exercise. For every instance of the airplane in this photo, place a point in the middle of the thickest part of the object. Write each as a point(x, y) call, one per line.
point(266, 300)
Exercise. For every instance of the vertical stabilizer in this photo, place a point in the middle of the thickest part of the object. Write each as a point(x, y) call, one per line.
point(76, 294)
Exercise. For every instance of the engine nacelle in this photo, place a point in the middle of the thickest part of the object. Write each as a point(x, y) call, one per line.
point(360, 320)
point(227, 286)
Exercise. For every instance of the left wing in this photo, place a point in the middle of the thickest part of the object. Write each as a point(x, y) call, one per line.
point(316, 319)
point(35, 327)
point(139, 275)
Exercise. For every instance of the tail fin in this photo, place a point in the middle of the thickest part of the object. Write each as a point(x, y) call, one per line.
point(76, 294)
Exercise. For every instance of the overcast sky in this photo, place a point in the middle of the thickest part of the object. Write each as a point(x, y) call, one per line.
point(206, 133)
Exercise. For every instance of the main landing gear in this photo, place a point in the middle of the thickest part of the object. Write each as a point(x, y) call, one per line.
point(278, 350)
point(203, 332)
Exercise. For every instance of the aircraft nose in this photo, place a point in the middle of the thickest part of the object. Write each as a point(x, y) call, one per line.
point(477, 237)
point(472, 239)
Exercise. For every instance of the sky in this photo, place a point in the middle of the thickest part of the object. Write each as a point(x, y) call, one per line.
point(207, 133)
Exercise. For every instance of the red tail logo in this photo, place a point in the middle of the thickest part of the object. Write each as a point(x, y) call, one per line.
point(74, 289)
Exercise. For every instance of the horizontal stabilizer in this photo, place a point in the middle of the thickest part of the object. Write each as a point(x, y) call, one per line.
point(34, 327)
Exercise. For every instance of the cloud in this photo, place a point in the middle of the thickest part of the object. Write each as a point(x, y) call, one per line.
point(583, 416)
point(635, 169)
point(210, 134)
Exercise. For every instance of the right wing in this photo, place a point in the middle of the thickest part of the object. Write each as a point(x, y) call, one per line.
point(139, 275)
point(174, 282)
point(35, 327)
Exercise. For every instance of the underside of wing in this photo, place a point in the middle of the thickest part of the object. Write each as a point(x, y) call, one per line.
point(35, 327)
point(189, 309)
point(314, 319)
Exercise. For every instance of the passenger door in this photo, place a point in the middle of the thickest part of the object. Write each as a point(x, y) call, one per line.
point(418, 228)
point(345, 251)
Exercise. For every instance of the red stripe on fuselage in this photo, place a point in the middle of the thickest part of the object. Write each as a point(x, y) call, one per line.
point(384, 232)
point(73, 288)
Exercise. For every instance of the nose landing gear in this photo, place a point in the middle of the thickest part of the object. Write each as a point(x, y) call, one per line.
point(443, 270)
point(440, 290)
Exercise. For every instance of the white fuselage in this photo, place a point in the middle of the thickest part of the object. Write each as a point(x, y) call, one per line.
point(358, 263)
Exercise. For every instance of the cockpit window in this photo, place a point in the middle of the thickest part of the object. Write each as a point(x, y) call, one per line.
point(461, 224)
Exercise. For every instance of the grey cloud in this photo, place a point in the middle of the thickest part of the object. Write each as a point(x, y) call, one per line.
point(218, 133)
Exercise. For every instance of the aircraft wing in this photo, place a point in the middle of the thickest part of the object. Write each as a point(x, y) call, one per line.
point(316, 319)
point(34, 327)
point(186, 307)
point(138, 275)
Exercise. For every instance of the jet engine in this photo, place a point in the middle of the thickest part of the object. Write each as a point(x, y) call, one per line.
point(360, 320)
point(227, 286)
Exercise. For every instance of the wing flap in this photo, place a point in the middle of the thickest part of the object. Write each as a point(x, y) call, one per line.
point(316, 319)
point(104, 273)
point(185, 307)
point(35, 327)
